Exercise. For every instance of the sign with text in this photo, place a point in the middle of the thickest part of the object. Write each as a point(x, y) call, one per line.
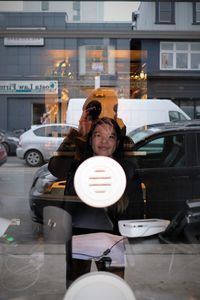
point(29, 87)
point(19, 41)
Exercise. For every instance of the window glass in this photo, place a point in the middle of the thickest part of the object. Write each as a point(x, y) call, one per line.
point(44, 131)
point(96, 59)
point(198, 112)
point(181, 46)
point(45, 5)
point(51, 54)
point(176, 116)
point(167, 60)
point(153, 147)
point(196, 11)
point(141, 132)
point(163, 152)
point(198, 148)
point(167, 46)
point(183, 56)
point(195, 61)
point(181, 61)
point(55, 131)
point(52, 131)
point(38, 112)
point(195, 46)
point(63, 130)
point(197, 109)
point(188, 107)
point(165, 12)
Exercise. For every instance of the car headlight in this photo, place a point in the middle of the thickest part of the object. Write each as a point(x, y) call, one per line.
point(42, 185)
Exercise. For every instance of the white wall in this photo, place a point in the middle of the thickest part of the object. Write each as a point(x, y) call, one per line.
point(91, 11)
point(119, 11)
point(11, 6)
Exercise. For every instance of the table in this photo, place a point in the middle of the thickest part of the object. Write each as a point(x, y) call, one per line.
point(162, 271)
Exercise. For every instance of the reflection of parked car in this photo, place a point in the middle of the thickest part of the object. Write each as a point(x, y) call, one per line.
point(3, 153)
point(38, 143)
point(46, 189)
point(10, 142)
point(18, 132)
point(169, 167)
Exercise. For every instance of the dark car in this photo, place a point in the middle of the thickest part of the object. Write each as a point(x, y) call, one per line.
point(3, 153)
point(10, 142)
point(168, 157)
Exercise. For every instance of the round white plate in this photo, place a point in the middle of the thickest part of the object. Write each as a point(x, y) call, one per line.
point(99, 286)
point(100, 181)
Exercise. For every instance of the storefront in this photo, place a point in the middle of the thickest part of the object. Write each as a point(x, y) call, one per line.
point(28, 102)
point(70, 55)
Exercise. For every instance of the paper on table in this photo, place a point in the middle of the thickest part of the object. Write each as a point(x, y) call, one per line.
point(91, 245)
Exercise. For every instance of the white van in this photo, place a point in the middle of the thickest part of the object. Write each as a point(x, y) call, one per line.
point(134, 112)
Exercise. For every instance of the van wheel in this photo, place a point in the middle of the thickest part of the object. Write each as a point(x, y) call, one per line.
point(34, 158)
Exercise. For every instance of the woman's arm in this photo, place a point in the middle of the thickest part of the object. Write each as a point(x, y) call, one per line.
point(72, 148)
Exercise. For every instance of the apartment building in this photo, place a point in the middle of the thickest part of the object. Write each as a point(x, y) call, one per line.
point(172, 45)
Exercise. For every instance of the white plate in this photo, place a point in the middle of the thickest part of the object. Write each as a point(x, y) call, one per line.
point(100, 181)
point(99, 286)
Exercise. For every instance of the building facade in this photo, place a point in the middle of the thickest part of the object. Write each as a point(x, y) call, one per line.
point(48, 56)
point(172, 44)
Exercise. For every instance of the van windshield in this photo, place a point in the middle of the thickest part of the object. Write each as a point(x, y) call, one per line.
point(176, 116)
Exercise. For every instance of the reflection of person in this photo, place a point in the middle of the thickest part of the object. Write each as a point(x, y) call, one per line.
point(99, 103)
point(45, 119)
point(100, 137)
point(104, 138)
point(105, 102)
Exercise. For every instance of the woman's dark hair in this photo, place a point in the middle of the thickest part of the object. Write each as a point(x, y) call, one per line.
point(118, 152)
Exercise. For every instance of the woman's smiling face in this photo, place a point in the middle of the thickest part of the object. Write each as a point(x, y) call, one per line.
point(104, 140)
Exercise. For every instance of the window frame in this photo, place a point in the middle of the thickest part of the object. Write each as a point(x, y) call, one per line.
point(174, 52)
point(171, 12)
point(196, 12)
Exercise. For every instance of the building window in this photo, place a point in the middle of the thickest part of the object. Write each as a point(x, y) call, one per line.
point(96, 60)
point(165, 12)
point(76, 11)
point(179, 56)
point(45, 5)
point(196, 13)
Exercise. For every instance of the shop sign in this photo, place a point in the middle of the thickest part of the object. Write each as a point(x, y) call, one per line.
point(19, 41)
point(29, 87)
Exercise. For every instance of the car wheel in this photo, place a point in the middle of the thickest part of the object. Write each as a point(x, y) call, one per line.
point(34, 158)
point(37, 228)
point(7, 148)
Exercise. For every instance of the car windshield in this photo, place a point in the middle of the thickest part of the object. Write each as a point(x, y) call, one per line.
point(142, 132)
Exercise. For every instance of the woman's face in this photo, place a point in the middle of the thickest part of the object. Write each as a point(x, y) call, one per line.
point(104, 140)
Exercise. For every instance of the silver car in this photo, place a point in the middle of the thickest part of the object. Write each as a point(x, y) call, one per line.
point(38, 144)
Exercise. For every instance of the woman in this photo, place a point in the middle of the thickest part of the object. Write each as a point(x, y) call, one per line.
point(104, 138)
point(101, 137)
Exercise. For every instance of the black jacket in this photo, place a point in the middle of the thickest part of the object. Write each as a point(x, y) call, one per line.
point(133, 193)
